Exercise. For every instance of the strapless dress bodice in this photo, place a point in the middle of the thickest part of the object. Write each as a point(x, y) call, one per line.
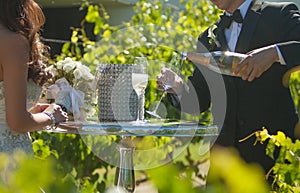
point(9, 140)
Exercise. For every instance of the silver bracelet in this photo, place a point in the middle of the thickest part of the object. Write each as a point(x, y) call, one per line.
point(53, 121)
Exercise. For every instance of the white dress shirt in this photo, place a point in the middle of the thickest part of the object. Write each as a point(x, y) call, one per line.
point(233, 32)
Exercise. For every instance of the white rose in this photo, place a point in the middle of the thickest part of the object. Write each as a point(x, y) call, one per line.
point(69, 66)
point(77, 73)
point(68, 59)
point(86, 72)
point(59, 65)
point(88, 76)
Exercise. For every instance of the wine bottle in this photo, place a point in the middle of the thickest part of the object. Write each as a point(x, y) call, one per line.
point(223, 62)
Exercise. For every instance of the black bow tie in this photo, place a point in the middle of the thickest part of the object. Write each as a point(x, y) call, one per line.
point(227, 20)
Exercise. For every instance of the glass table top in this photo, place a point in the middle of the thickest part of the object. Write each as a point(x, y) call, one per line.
point(133, 128)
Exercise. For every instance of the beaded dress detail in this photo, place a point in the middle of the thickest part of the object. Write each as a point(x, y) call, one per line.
point(9, 140)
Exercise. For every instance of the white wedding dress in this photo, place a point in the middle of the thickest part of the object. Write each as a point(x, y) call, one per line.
point(9, 140)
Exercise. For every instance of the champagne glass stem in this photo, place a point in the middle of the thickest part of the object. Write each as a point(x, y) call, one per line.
point(162, 96)
point(139, 112)
point(154, 112)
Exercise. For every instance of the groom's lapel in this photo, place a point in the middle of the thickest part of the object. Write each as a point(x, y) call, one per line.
point(248, 29)
point(221, 36)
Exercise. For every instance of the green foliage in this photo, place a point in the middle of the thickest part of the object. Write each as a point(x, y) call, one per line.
point(228, 173)
point(23, 173)
point(287, 165)
point(170, 182)
point(295, 88)
point(75, 160)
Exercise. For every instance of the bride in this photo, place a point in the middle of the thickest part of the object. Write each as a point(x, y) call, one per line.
point(22, 73)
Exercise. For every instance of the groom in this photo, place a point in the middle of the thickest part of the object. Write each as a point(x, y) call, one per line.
point(270, 34)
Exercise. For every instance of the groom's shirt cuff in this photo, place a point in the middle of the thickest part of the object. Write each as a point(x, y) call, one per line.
point(281, 59)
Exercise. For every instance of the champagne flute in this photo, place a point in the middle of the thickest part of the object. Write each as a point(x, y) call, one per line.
point(167, 85)
point(139, 83)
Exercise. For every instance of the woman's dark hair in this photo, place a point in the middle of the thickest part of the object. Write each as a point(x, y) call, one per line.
point(27, 18)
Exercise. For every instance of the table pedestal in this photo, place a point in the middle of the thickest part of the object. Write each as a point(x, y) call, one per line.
point(125, 178)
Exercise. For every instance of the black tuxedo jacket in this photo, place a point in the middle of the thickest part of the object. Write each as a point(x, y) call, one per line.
point(249, 106)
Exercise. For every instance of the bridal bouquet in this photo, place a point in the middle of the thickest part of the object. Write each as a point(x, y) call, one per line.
point(73, 88)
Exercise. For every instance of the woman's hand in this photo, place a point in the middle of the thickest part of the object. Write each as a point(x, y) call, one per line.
point(57, 112)
point(170, 78)
point(38, 108)
point(258, 61)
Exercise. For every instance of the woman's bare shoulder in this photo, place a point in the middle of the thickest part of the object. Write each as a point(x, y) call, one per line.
point(12, 41)
point(14, 51)
point(9, 38)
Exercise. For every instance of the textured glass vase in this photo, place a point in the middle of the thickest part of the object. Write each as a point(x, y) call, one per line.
point(117, 100)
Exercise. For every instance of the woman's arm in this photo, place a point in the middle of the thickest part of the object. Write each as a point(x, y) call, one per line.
point(14, 59)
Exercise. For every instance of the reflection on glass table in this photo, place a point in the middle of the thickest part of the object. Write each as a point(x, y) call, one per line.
point(128, 157)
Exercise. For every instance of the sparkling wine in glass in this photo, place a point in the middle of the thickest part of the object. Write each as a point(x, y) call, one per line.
point(139, 83)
